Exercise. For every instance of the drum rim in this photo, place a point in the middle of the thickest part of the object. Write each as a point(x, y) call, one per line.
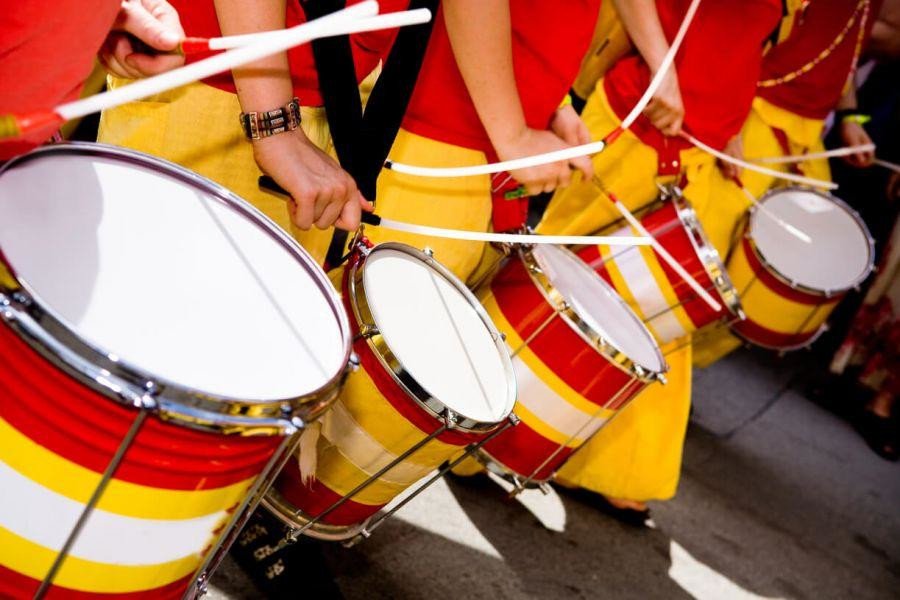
point(870, 242)
point(606, 349)
point(294, 518)
point(708, 255)
point(59, 343)
point(362, 313)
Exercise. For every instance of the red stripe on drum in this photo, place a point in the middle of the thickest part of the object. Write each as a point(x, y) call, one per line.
point(71, 420)
point(779, 287)
point(391, 390)
point(523, 450)
point(317, 497)
point(558, 346)
point(767, 338)
point(15, 585)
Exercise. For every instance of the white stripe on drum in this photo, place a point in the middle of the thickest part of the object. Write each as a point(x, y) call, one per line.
point(45, 517)
point(552, 409)
point(645, 290)
point(360, 448)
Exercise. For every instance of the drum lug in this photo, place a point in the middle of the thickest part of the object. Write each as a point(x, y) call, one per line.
point(544, 487)
point(428, 252)
point(353, 362)
point(367, 330)
point(514, 419)
point(449, 418)
point(661, 379)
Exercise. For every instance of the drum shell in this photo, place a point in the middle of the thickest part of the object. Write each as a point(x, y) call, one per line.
point(779, 316)
point(58, 436)
point(672, 310)
point(560, 376)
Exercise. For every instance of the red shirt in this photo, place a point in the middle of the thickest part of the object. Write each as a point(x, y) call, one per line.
point(718, 67)
point(198, 17)
point(47, 51)
point(549, 40)
point(815, 93)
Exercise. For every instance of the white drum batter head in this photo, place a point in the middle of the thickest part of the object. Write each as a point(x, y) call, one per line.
point(599, 306)
point(840, 255)
point(168, 273)
point(438, 334)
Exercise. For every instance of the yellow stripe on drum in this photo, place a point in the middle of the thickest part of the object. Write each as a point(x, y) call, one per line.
point(33, 560)
point(121, 497)
point(769, 309)
point(378, 433)
point(534, 364)
point(668, 292)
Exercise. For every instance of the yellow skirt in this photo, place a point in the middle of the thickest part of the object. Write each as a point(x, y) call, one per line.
point(459, 203)
point(804, 136)
point(638, 455)
point(196, 126)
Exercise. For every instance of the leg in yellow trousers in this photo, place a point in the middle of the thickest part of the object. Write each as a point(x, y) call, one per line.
point(461, 203)
point(196, 126)
point(803, 136)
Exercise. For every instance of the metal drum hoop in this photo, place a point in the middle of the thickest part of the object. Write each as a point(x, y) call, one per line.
point(126, 383)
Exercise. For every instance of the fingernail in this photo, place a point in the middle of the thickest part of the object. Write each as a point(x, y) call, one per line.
point(169, 38)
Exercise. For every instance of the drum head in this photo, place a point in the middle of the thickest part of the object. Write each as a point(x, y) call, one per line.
point(840, 255)
point(438, 335)
point(599, 306)
point(169, 274)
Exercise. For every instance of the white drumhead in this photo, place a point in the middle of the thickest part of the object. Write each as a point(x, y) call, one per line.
point(437, 335)
point(167, 277)
point(839, 256)
point(598, 305)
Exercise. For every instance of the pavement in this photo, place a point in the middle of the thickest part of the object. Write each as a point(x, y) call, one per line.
point(779, 498)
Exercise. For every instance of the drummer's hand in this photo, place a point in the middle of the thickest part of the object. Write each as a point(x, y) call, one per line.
point(155, 23)
point(854, 134)
point(666, 108)
point(735, 149)
point(542, 178)
point(322, 193)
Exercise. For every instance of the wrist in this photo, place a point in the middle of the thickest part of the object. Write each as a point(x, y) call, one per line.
point(851, 115)
point(259, 125)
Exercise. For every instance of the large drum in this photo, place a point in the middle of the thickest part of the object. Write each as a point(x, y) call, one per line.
point(788, 286)
point(435, 378)
point(160, 344)
point(668, 306)
point(580, 355)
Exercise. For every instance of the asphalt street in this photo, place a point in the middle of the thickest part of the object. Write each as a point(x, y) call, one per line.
point(779, 498)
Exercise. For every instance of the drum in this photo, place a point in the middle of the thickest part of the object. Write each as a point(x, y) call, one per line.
point(668, 305)
point(160, 344)
point(788, 286)
point(580, 355)
point(435, 378)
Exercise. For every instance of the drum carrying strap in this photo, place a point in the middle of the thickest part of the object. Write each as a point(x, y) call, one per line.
point(363, 141)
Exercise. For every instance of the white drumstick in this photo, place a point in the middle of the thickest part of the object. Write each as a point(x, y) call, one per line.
point(794, 231)
point(888, 165)
point(569, 153)
point(797, 158)
point(658, 248)
point(752, 167)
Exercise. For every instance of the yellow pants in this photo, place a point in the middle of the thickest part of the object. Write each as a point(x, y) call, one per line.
point(638, 455)
point(196, 126)
point(459, 203)
point(804, 136)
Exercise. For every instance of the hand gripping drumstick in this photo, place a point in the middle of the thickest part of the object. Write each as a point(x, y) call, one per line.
point(569, 153)
point(268, 184)
point(359, 17)
point(657, 247)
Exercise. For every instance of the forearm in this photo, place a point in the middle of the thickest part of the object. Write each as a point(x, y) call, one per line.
point(641, 21)
point(264, 84)
point(848, 100)
point(481, 38)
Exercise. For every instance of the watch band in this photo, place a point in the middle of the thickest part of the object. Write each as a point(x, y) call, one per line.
point(258, 125)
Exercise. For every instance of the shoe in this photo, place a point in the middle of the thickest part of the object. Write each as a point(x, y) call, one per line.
point(880, 433)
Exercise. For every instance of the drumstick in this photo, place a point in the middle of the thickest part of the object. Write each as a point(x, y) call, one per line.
point(351, 20)
point(268, 184)
point(569, 153)
point(887, 165)
point(658, 248)
point(794, 231)
point(752, 167)
point(796, 158)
